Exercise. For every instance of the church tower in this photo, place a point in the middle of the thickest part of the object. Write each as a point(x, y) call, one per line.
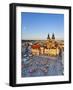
point(48, 38)
point(53, 36)
point(48, 41)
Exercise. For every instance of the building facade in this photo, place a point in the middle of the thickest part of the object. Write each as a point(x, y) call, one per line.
point(50, 47)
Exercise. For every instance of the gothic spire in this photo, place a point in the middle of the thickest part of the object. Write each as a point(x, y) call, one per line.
point(48, 36)
point(53, 36)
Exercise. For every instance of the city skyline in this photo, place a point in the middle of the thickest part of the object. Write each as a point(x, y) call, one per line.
point(36, 26)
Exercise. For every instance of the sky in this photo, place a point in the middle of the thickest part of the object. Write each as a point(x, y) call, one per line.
point(36, 26)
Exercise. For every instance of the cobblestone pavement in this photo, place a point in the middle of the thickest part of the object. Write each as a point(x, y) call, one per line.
point(42, 66)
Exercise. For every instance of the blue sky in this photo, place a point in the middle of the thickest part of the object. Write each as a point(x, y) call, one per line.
point(36, 26)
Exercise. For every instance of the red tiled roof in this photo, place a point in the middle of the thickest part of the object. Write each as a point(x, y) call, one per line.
point(36, 46)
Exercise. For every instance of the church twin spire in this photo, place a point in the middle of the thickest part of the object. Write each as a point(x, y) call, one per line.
point(53, 36)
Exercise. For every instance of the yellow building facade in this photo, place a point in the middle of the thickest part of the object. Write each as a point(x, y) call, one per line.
point(52, 47)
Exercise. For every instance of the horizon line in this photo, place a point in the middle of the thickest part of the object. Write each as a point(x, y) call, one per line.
point(44, 39)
